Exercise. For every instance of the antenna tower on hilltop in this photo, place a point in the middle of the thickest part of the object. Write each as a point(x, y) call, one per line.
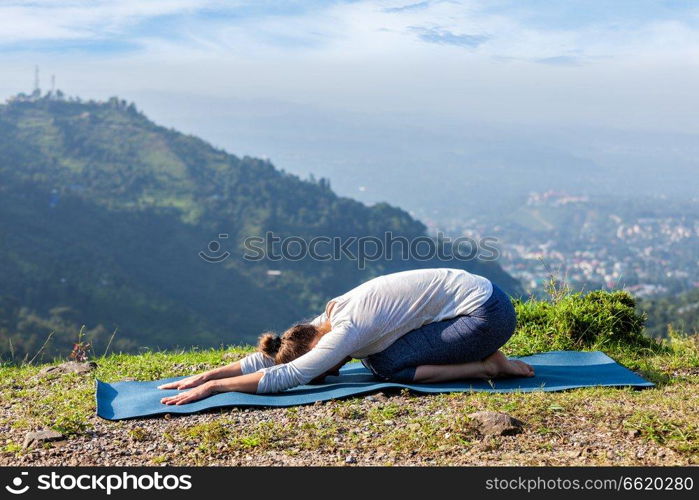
point(36, 78)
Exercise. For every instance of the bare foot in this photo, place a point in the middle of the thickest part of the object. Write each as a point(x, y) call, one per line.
point(497, 365)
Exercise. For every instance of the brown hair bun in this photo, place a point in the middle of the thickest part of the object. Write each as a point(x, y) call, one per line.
point(269, 344)
point(295, 342)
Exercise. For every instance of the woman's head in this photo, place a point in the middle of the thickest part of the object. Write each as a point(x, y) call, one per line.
point(295, 342)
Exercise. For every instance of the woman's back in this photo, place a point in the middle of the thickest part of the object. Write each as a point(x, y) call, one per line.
point(381, 310)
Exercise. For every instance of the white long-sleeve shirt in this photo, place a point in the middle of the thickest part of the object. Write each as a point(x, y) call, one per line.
point(369, 318)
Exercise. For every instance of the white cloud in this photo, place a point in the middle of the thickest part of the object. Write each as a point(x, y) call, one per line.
point(366, 28)
point(362, 56)
point(83, 19)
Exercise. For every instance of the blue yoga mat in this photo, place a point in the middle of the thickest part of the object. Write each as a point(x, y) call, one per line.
point(555, 371)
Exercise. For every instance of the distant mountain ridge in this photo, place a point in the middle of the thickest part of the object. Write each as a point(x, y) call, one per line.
point(103, 214)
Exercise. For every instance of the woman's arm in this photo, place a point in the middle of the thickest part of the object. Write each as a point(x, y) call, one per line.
point(232, 370)
point(330, 351)
point(249, 364)
point(241, 383)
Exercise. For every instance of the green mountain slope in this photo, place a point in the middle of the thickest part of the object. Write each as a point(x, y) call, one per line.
point(678, 312)
point(103, 214)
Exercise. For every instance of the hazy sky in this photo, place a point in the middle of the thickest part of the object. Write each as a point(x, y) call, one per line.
point(220, 68)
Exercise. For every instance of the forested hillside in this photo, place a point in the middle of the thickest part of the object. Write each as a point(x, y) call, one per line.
point(679, 313)
point(103, 214)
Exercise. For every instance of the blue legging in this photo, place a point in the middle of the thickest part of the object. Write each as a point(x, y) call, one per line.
point(458, 340)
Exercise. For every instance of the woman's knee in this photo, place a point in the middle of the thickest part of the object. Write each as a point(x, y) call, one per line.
point(388, 371)
point(404, 375)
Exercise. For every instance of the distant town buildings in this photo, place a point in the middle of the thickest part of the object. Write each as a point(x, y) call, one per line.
point(606, 243)
point(554, 198)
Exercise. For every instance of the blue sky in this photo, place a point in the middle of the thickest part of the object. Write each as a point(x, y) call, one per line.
point(223, 69)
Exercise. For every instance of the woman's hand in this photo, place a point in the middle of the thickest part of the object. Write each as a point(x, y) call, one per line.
point(187, 383)
point(202, 391)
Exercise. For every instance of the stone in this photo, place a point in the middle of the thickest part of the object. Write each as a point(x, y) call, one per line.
point(493, 423)
point(41, 437)
point(378, 397)
point(68, 367)
point(349, 459)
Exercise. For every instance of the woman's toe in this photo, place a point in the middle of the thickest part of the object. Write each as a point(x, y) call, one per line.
point(523, 368)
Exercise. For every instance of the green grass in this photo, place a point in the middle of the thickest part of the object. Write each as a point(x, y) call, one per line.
point(597, 320)
point(66, 403)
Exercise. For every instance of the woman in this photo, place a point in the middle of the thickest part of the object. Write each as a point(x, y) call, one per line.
point(426, 325)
